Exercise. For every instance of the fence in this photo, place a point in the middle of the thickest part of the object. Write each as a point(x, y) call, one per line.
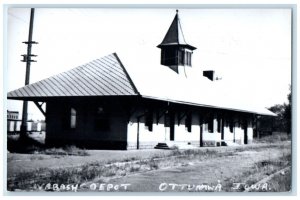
point(14, 126)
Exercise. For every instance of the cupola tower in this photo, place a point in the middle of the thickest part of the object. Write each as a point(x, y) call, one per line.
point(175, 52)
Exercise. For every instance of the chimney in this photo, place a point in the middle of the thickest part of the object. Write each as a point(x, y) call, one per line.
point(210, 74)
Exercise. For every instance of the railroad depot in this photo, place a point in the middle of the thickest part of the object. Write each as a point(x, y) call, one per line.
point(113, 103)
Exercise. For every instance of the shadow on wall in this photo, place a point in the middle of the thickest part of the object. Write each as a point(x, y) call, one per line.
point(88, 144)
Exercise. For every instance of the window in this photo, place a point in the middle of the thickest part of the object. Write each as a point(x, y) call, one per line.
point(73, 118)
point(186, 58)
point(176, 56)
point(188, 122)
point(102, 122)
point(181, 55)
point(190, 59)
point(169, 56)
point(69, 118)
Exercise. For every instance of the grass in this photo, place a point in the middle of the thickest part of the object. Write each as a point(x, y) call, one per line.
point(260, 170)
point(118, 168)
point(276, 137)
point(32, 146)
point(65, 151)
point(35, 157)
point(281, 182)
point(68, 150)
point(97, 170)
point(25, 178)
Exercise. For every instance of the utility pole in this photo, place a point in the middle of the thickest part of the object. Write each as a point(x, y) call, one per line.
point(28, 60)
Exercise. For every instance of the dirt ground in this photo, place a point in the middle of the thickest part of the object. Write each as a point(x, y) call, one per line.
point(228, 172)
point(25, 162)
point(239, 165)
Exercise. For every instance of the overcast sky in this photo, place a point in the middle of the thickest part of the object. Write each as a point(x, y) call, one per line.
point(249, 48)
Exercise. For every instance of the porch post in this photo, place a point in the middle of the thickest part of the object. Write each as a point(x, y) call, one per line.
point(201, 130)
point(138, 134)
point(222, 128)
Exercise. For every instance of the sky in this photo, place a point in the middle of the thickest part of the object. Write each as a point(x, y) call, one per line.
point(249, 48)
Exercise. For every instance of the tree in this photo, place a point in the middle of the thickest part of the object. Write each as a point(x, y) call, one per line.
point(287, 114)
point(278, 122)
point(283, 120)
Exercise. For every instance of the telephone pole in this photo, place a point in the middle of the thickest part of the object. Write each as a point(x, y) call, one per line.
point(27, 58)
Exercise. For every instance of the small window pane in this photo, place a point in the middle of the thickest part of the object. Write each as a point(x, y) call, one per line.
point(181, 57)
point(73, 118)
point(189, 55)
point(186, 62)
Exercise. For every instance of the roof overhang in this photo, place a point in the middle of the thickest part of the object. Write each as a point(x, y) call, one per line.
point(48, 98)
point(175, 45)
point(266, 113)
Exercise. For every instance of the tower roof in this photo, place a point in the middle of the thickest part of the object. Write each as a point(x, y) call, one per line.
point(175, 35)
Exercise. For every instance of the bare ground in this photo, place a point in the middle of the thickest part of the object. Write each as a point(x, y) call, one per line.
point(25, 162)
point(241, 167)
point(245, 164)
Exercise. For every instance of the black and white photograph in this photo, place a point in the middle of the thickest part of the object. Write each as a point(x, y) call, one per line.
point(148, 99)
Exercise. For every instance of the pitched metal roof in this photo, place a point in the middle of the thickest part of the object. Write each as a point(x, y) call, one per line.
point(102, 77)
point(175, 36)
point(108, 77)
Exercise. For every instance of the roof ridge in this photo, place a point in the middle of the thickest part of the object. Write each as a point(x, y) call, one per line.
point(126, 73)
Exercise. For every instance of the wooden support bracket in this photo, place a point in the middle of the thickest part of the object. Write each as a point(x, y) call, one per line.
point(130, 113)
point(40, 107)
point(180, 117)
point(158, 115)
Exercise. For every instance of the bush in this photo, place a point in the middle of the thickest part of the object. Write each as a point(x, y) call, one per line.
point(68, 150)
point(276, 137)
